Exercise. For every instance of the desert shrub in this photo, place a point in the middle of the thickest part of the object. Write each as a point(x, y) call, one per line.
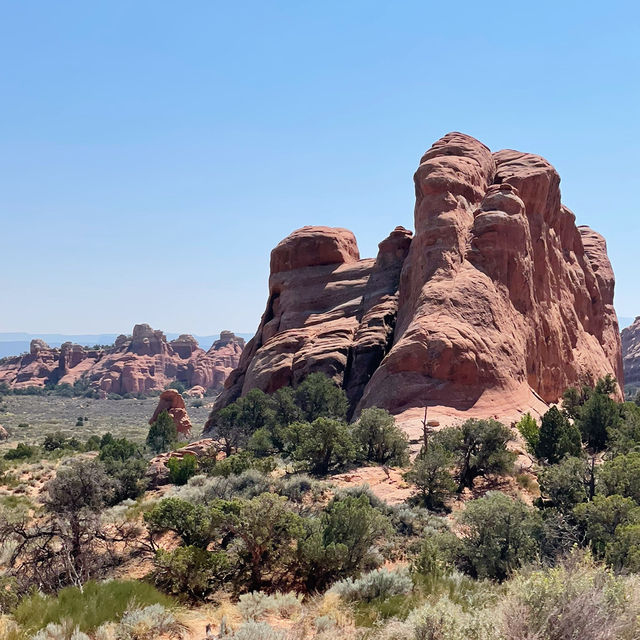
point(89, 607)
point(190, 571)
point(339, 543)
point(117, 449)
point(431, 473)
point(254, 605)
point(620, 476)
point(295, 487)
point(266, 531)
point(576, 599)
point(163, 433)
point(21, 452)
point(240, 462)
point(63, 631)
point(447, 620)
point(194, 523)
point(564, 484)
point(207, 489)
point(287, 605)
point(379, 439)
point(145, 623)
point(181, 469)
point(320, 446)
point(530, 432)
point(380, 583)
point(558, 437)
point(257, 631)
point(129, 478)
point(499, 535)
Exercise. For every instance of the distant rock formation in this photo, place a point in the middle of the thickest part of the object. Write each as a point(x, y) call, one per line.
point(497, 304)
point(142, 362)
point(631, 355)
point(173, 403)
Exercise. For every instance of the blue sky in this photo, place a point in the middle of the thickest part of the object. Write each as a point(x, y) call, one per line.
point(154, 152)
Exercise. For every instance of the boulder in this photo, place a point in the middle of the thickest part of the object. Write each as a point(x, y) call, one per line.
point(172, 402)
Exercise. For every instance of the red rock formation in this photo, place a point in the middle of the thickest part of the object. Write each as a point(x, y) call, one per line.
point(172, 402)
point(137, 364)
point(497, 303)
point(631, 355)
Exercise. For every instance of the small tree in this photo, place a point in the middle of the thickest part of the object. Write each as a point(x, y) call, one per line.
point(565, 484)
point(600, 518)
point(500, 535)
point(321, 445)
point(558, 437)
point(432, 476)
point(480, 447)
point(529, 430)
point(620, 476)
point(319, 397)
point(379, 439)
point(598, 416)
point(163, 433)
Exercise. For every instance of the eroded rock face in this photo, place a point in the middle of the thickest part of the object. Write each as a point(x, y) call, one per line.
point(498, 302)
point(144, 361)
point(631, 354)
point(173, 403)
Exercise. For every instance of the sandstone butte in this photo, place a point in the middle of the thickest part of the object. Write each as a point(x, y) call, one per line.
point(631, 354)
point(144, 361)
point(493, 307)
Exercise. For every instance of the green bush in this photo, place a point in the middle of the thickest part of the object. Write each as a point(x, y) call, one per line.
point(530, 431)
point(89, 607)
point(181, 469)
point(190, 571)
point(21, 452)
point(499, 536)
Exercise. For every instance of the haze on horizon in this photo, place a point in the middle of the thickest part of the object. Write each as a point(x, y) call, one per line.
point(154, 154)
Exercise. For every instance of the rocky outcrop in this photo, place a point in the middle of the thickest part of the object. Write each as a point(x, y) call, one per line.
point(631, 355)
point(142, 362)
point(173, 403)
point(495, 305)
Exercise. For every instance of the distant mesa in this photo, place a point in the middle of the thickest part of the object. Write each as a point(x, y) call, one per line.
point(631, 355)
point(142, 362)
point(494, 306)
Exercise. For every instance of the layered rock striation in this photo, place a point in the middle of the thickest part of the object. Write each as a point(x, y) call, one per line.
point(631, 355)
point(142, 362)
point(497, 303)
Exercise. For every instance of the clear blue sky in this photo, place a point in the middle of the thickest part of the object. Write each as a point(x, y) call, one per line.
point(154, 152)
